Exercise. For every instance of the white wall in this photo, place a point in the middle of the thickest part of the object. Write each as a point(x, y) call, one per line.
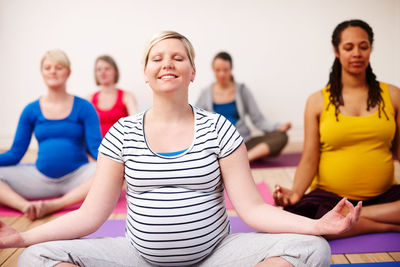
point(281, 49)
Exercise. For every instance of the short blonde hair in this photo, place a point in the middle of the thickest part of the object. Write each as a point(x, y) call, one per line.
point(58, 56)
point(169, 35)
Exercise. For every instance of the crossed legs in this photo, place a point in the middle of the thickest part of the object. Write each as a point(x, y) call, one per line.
point(21, 186)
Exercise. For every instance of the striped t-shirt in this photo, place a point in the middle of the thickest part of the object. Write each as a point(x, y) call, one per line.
point(176, 211)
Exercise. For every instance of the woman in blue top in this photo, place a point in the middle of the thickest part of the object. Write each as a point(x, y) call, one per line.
point(67, 129)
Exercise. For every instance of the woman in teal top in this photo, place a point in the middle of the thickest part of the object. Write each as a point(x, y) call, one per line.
point(235, 102)
point(67, 130)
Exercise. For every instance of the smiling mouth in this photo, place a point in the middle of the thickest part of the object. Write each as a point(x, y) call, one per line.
point(168, 77)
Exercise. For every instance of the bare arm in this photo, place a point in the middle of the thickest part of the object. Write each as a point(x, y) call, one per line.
point(95, 210)
point(308, 165)
point(395, 97)
point(256, 213)
point(130, 102)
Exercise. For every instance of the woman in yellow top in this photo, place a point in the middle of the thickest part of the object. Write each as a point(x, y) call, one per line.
point(351, 132)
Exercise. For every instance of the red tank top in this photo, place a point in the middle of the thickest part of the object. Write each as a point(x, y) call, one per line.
point(110, 116)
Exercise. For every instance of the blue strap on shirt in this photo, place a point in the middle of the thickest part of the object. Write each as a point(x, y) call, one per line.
point(172, 154)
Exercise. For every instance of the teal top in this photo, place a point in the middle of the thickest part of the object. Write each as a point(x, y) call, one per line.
point(228, 110)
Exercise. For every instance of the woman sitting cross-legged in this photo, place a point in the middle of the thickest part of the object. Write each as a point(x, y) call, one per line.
point(67, 130)
point(351, 132)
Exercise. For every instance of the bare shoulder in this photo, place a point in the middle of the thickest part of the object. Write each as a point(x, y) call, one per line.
point(393, 89)
point(315, 102)
point(316, 98)
point(129, 101)
point(395, 96)
point(128, 95)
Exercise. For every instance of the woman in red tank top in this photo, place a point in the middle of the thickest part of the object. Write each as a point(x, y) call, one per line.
point(110, 102)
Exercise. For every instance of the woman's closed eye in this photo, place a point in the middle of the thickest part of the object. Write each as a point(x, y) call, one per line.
point(156, 58)
point(178, 58)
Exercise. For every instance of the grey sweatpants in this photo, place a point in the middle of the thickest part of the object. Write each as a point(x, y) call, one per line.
point(28, 182)
point(241, 250)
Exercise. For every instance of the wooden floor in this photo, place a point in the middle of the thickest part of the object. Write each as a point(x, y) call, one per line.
point(271, 176)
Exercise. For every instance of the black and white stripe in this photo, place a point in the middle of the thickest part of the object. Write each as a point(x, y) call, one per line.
point(176, 209)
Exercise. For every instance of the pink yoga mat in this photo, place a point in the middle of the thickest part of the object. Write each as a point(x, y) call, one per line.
point(264, 191)
point(120, 208)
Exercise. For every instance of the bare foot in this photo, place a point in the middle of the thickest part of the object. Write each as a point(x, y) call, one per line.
point(44, 207)
point(30, 211)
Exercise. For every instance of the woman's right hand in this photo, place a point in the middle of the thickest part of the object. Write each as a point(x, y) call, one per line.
point(284, 127)
point(285, 197)
point(9, 237)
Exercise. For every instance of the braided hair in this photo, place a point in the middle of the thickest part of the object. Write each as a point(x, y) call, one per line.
point(335, 76)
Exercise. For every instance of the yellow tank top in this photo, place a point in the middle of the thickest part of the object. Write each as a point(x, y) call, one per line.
point(355, 152)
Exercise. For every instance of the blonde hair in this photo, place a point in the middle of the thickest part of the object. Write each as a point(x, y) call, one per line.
point(169, 35)
point(57, 56)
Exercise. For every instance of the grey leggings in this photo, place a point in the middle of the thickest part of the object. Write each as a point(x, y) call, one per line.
point(31, 184)
point(276, 141)
point(241, 250)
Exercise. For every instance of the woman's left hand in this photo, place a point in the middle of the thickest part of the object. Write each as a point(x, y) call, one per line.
point(334, 222)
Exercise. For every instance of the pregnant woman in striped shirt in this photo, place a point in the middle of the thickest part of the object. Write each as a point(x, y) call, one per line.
point(177, 160)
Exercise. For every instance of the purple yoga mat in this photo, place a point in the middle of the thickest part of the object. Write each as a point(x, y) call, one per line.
point(111, 228)
point(283, 160)
point(239, 226)
point(114, 228)
point(382, 242)
point(370, 264)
